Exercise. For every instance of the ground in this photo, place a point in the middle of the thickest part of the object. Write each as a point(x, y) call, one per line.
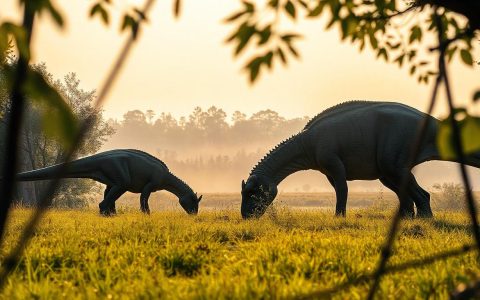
point(217, 255)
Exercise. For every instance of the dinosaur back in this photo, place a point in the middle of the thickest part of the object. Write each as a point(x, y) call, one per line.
point(347, 105)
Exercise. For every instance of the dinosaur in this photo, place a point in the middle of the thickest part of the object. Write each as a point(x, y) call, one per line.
point(122, 170)
point(354, 140)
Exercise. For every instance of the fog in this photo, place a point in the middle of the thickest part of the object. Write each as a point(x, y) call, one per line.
point(213, 151)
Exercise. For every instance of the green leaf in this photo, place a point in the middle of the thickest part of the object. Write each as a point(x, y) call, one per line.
point(449, 53)
point(57, 17)
point(469, 132)
point(254, 68)
point(373, 40)
point(415, 34)
point(244, 35)
point(20, 35)
point(382, 52)
point(444, 140)
point(265, 35)
point(280, 54)
point(273, 3)
point(290, 8)
point(317, 10)
point(249, 7)
point(98, 9)
point(129, 22)
point(412, 69)
point(235, 16)
point(476, 95)
point(466, 57)
point(59, 120)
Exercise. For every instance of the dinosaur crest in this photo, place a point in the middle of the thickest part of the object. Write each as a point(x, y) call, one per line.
point(272, 151)
point(336, 108)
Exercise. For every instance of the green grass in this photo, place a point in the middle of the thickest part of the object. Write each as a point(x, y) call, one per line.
point(78, 254)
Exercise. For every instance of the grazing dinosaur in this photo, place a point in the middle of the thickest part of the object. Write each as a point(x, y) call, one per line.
point(121, 171)
point(355, 140)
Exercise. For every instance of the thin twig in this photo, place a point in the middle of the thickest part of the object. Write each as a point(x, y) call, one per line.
point(13, 258)
point(403, 197)
point(457, 143)
point(416, 263)
point(15, 117)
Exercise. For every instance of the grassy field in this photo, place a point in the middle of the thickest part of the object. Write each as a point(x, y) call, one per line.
point(286, 253)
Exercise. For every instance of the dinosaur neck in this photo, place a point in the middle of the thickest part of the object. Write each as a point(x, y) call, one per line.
point(286, 158)
point(176, 186)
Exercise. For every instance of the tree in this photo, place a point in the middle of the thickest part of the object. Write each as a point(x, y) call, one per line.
point(39, 150)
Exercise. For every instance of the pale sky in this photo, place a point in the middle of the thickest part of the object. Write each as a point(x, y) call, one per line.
point(180, 64)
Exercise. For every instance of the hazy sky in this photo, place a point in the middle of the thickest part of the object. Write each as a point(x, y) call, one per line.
point(179, 64)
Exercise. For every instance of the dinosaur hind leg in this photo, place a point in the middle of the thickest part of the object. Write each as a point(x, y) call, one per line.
point(421, 198)
point(406, 205)
point(107, 206)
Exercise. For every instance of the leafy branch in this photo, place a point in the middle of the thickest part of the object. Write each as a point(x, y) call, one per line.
point(393, 30)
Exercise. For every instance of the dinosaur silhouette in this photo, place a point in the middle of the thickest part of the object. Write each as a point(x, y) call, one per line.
point(355, 140)
point(123, 170)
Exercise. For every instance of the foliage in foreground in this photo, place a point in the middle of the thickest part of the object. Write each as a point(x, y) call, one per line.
point(78, 254)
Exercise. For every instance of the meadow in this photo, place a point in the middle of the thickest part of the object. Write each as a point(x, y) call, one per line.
point(290, 252)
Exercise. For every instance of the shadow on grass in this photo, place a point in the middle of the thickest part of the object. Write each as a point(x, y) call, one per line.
point(447, 226)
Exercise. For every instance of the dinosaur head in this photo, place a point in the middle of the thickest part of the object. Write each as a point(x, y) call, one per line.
point(257, 194)
point(189, 202)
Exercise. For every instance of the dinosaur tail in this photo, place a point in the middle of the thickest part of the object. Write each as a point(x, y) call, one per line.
point(74, 169)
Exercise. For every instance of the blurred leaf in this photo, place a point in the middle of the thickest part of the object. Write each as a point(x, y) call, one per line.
point(176, 8)
point(466, 57)
point(280, 54)
point(476, 96)
point(129, 22)
point(318, 9)
point(412, 69)
point(249, 7)
point(399, 59)
point(449, 53)
point(444, 140)
point(244, 35)
point(98, 9)
point(20, 35)
point(373, 40)
point(59, 120)
point(57, 17)
point(254, 68)
point(235, 16)
point(469, 132)
point(273, 3)
point(140, 14)
point(382, 52)
point(415, 34)
point(290, 8)
point(265, 35)
point(290, 36)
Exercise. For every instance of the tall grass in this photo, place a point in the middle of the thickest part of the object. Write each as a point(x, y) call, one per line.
point(78, 254)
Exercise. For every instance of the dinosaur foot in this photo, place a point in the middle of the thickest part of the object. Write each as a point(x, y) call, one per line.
point(107, 211)
point(424, 214)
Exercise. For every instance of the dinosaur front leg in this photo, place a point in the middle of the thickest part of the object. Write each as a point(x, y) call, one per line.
point(338, 179)
point(107, 206)
point(147, 190)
